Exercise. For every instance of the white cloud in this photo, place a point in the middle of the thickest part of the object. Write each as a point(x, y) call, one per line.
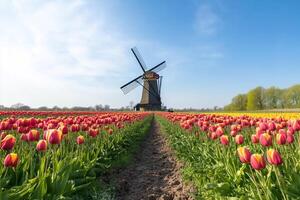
point(48, 49)
point(207, 20)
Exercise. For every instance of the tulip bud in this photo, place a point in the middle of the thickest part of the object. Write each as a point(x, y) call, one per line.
point(11, 160)
point(33, 135)
point(80, 139)
point(233, 133)
point(110, 131)
point(244, 154)
point(64, 129)
point(24, 137)
point(54, 136)
point(265, 139)
point(257, 161)
point(254, 139)
point(274, 157)
point(213, 135)
point(224, 140)
point(220, 131)
point(290, 138)
point(239, 139)
point(8, 142)
point(281, 138)
point(41, 145)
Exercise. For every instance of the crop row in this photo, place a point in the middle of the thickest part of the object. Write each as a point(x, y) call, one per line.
point(237, 156)
point(57, 156)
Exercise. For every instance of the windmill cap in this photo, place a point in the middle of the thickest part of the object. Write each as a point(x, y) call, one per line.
point(151, 75)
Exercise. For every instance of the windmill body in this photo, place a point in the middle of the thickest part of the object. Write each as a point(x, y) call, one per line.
point(151, 82)
point(149, 101)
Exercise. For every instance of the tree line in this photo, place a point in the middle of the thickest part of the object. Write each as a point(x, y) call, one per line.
point(261, 98)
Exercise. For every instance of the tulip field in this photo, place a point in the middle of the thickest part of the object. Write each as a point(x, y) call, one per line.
point(56, 155)
point(237, 156)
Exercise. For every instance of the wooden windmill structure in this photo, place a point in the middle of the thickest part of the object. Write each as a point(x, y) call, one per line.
point(151, 82)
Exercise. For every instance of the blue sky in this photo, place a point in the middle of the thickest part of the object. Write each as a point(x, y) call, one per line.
point(69, 53)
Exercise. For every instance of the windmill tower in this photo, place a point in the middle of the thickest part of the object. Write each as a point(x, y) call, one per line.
point(151, 82)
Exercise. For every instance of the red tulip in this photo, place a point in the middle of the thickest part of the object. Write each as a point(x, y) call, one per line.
point(254, 139)
point(233, 133)
point(281, 138)
point(33, 135)
point(259, 132)
point(213, 135)
point(219, 131)
point(64, 129)
point(239, 139)
point(224, 140)
point(24, 137)
point(244, 154)
point(93, 132)
point(80, 139)
point(8, 142)
point(290, 138)
point(257, 161)
point(54, 136)
point(41, 145)
point(110, 131)
point(11, 160)
point(274, 157)
point(265, 139)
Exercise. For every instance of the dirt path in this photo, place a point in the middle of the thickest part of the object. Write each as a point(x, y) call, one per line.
point(155, 174)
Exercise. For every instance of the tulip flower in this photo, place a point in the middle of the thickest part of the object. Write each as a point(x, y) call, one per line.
point(244, 154)
point(2, 135)
point(233, 133)
point(274, 157)
point(239, 139)
point(290, 131)
point(24, 137)
point(219, 131)
point(265, 139)
point(80, 139)
point(213, 135)
point(110, 131)
point(11, 160)
point(41, 145)
point(93, 132)
point(281, 138)
point(54, 136)
point(64, 129)
point(259, 132)
point(33, 135)
point(8, 142)
point(224, 140)
point(290, 138)
point(254, 139)
point(257, 161)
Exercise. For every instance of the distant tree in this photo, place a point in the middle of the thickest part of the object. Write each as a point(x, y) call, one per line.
point(239, 102)
point(273, 98)
point(24, 107)
point(56, 108)
point(131, 104)
point(43, 108)
point(256, 99)
point(292, 97)
point(99, 107)
point(17, 106)
point(106, 107)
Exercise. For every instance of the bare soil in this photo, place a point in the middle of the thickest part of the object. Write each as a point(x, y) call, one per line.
point(154, 174)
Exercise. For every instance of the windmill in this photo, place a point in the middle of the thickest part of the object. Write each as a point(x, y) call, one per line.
point(151, 82)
